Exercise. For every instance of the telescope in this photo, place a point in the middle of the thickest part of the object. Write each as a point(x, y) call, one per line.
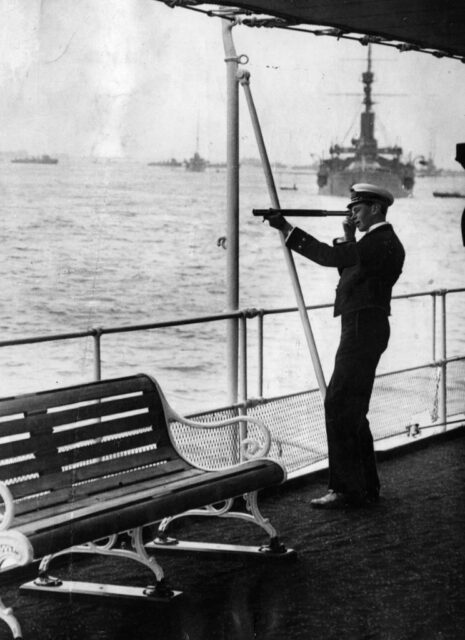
point(299, 213)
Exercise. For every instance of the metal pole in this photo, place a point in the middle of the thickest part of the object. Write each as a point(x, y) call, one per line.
point(243, 358)
point(232, 208)
point(434, 326)
point(260, 354)
point(97, 355)
point(244, 80)
point(444, 363)
point(243, 385)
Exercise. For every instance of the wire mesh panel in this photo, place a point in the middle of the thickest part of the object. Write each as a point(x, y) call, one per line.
point(400, 399)
point(456, 388)
point(296, 423)
point(212, 448)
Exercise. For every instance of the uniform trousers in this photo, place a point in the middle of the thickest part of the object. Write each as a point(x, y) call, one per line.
point(352, 463)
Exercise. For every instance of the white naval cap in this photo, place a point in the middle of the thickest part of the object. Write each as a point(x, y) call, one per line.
point(364, 192)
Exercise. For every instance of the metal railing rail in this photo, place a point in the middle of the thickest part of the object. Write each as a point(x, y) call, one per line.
point(243, 316)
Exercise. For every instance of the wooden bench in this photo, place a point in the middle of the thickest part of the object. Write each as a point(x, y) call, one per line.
point(80, 465)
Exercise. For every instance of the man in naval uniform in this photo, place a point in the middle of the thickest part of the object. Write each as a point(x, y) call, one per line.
point(368, 269)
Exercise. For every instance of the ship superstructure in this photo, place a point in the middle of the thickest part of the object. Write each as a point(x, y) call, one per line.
point(365, 161)
point(196, 163)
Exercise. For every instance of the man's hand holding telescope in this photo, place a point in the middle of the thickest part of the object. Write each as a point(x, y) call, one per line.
point(276, 219)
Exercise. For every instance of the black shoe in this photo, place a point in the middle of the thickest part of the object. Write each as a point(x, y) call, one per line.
point(336, 500)
point(332, 500)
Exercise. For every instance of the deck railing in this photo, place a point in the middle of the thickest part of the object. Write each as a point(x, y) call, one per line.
point(394, 387)
point(243, 317)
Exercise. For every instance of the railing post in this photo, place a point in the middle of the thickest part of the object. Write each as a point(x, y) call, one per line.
point(433, 296)
point(243, 376)
point(260, 353)
point(97, 354)
point(243, 357)
point(443, 405)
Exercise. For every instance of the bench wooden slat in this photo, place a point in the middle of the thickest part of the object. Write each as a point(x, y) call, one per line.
point(44, 462)
point(107, 428)
point(24, 447)
point(38, 446)
point(92, 472)
point(71, 395)
point(168, 489)
point(35, 423)
point(137, 482)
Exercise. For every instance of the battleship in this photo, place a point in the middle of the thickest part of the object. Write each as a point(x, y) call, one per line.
point(364, 161)
point(196, 163)
point(44, 159)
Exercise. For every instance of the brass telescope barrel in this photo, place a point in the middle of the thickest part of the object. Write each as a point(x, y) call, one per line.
point(300, 213)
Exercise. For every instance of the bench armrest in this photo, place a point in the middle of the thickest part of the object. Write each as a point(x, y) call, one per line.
point(250, 447)
point(15, 548)
point(6, 518)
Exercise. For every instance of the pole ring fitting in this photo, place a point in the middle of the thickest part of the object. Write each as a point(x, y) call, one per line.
point(241, 59)
point(243, 76)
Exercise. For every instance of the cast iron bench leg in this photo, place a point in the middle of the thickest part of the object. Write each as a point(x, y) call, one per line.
point(6, 614)
point(253, 515)
point(15, 550)
point(105, 547)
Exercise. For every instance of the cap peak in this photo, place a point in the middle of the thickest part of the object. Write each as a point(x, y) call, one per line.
point(366, 192)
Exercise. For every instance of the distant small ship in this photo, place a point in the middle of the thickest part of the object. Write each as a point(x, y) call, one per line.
point(427, 168)
point(44, 159)
point(448, 194)
point(196, 163)
point(217, 165)
point(166, 163)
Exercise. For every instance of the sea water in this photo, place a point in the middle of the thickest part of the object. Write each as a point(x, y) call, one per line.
point(113, 243)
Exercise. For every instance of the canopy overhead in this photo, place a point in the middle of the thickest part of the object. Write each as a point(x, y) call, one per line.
point(435, 26)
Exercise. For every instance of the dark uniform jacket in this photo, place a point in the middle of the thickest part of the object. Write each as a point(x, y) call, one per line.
point(368, 268)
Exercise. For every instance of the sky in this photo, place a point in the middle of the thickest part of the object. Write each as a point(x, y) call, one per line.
point(137, 79)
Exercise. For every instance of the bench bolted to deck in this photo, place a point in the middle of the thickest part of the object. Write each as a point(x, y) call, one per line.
point(83, 464)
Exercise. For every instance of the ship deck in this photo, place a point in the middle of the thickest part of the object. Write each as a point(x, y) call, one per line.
point(394, 571)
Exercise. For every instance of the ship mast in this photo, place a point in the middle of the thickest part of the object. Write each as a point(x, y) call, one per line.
point(367, 146)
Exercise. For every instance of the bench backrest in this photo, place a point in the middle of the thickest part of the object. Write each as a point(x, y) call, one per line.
point(59, 445)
